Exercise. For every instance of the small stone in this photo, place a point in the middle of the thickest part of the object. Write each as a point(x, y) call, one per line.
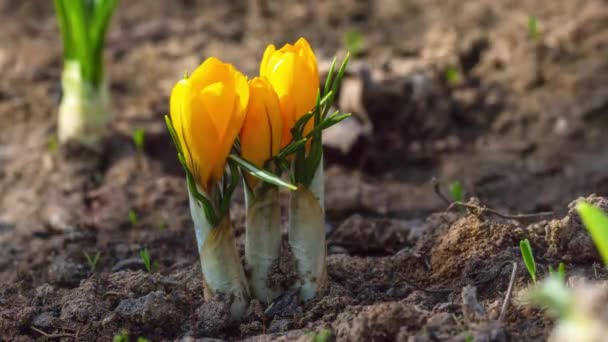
point(45, 320)
point(280, 325)
point(66, 273)
point(129, 264)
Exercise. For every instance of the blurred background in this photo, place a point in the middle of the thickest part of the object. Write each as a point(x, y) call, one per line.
point(509, 98)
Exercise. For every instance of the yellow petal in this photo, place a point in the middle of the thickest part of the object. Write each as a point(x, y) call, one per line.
point(270, 49)
point(262, 129)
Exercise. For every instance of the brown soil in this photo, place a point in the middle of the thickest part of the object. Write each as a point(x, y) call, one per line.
point(523, 129)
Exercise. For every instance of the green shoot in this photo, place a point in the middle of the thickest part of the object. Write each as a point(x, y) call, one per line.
point(139, 138)
point(145, 258)
point(354, 42)
point(52, 144)
point(83, 26)
point(322, 335)
point(132, 217)
point(453, 76)
point(526, 253)
point(92, 261)
point(560, 273)
point(457, 191)
point(121, 336)
point(554, 295)
point(533, 32)
point(596, 222)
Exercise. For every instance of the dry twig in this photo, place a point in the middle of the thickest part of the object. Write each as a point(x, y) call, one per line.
point(505, 304)
point(47, 335)
point(477, 209)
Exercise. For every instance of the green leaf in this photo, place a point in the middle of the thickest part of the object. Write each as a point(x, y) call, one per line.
point(596, 222)
point(456, 191)
point(290, 148)
point(526, 253)
point(92, 261)
point(139, 135)
point(330, 76)
point(132, 217)
point(261, 174)
point(533, 32)
point(83, 25)
point(354, 42)
point(452, 76)
point(145, 258)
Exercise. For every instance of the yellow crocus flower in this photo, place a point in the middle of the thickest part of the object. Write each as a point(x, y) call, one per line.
point(263, 126)
point(207, 111)
point(292, 70)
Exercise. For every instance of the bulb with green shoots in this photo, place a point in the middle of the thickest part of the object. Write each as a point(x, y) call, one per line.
point(292, 70)
point(85, 105)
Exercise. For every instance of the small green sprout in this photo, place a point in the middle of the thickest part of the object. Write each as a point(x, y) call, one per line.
point(596, 222)
point(526, 253)
point(145, 258)
point(123, 336)
point(132, 217)
point(92, 261)
point(52, 144)
point(457, 191)
point(453, 76)
point(560, 273)
point(139, 135)
point(354, 42)
point(322, 335)
point(533, 32)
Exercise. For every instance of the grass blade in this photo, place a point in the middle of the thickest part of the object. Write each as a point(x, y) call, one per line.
point(526, 253)
point(596, 222)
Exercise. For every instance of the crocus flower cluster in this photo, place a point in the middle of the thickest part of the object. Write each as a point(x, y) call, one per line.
point(218, 118)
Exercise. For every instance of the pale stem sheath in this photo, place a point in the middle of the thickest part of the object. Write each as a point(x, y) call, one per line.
point(220, 262)
point(307, 235)
point(262, 238)
point(84, 111)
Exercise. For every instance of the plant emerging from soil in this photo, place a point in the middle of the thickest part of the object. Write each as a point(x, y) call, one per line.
point(528, 256)
point(224, 126)
point(596, 222)
point(85, 105)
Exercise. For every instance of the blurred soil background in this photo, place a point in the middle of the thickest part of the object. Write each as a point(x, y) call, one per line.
point(457, 90)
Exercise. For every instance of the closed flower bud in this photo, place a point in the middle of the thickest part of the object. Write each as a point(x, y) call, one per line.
point(293, 73)
point(207, 111)
point(263, 126)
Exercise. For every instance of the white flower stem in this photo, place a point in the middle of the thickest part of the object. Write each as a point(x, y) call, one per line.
point(85, 108)
point(262, 238)
point(222, 270)
point(307, 235)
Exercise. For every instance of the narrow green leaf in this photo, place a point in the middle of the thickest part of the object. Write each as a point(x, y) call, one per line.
point(338, 80)
point(456, 191)
point(173, 134)
point(78, 30)
point(64, 28)
point(204, 201)
point(330, 76)
point(290, 148)
point(261, 174)
point(526, 253)
point(596, 222)
point(145, 258)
